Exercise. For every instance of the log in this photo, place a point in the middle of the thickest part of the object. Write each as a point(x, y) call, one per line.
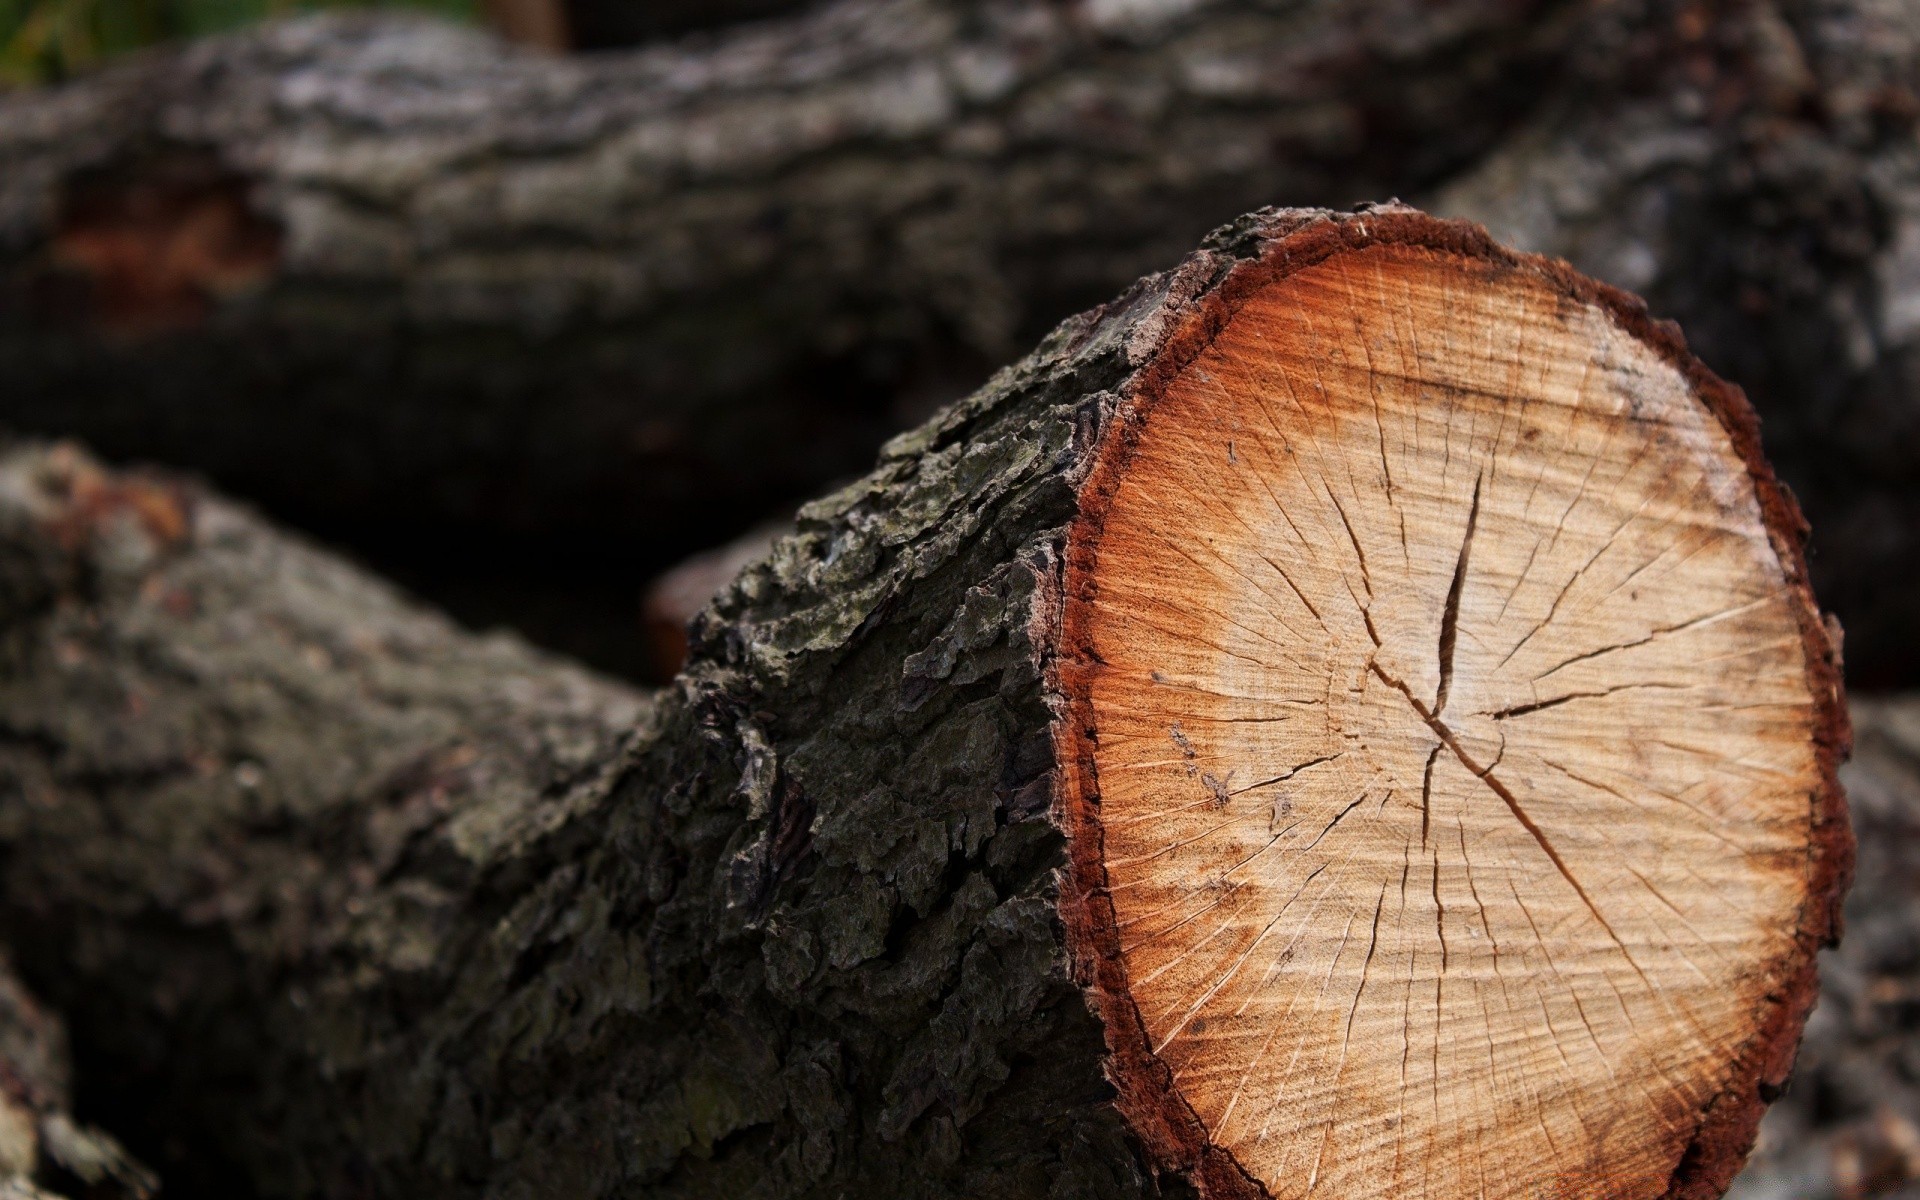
point(393, 279)
point(1026, 822)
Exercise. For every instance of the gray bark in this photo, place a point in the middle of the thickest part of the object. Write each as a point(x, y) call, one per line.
point(385, 275)
point(219, 744)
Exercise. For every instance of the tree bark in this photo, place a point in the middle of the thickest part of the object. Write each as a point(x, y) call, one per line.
point(849, 908)
point(379, 273)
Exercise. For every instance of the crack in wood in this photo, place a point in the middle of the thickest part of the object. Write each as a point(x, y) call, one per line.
point(1450, 615)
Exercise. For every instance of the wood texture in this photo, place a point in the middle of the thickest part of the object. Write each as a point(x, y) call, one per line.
point(836, 913)
point(1454, 717)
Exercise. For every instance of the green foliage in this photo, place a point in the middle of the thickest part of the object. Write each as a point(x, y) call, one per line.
point(46, 40)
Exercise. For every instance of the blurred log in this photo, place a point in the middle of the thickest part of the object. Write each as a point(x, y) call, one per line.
point(857, 906)
point(316, 772)
point(415, 290)
point(385, 276)
point(1753, 170)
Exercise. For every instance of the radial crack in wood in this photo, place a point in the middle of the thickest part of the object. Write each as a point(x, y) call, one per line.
point(1516, 941)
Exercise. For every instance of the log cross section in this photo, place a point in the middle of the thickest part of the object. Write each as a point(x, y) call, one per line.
point(1447, 704)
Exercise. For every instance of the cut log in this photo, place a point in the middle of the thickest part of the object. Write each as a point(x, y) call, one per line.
point(1345, 719)
point(1424, 619)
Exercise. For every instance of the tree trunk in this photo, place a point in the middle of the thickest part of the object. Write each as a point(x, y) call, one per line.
point(1346, 717)
point(380, 274)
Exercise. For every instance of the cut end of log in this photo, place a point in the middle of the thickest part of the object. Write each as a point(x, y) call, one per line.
point(1450, 737)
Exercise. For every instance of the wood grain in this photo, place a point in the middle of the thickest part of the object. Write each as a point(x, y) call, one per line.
point(1457, 743)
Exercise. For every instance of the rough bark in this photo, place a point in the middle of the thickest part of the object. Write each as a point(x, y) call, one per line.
point(439, 916)
point(1752, 169)
point(383, 272)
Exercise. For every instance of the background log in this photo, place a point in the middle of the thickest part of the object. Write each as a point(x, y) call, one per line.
point(473, 310)
point(440, 916)
point(315, 771)
point(417, 292)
